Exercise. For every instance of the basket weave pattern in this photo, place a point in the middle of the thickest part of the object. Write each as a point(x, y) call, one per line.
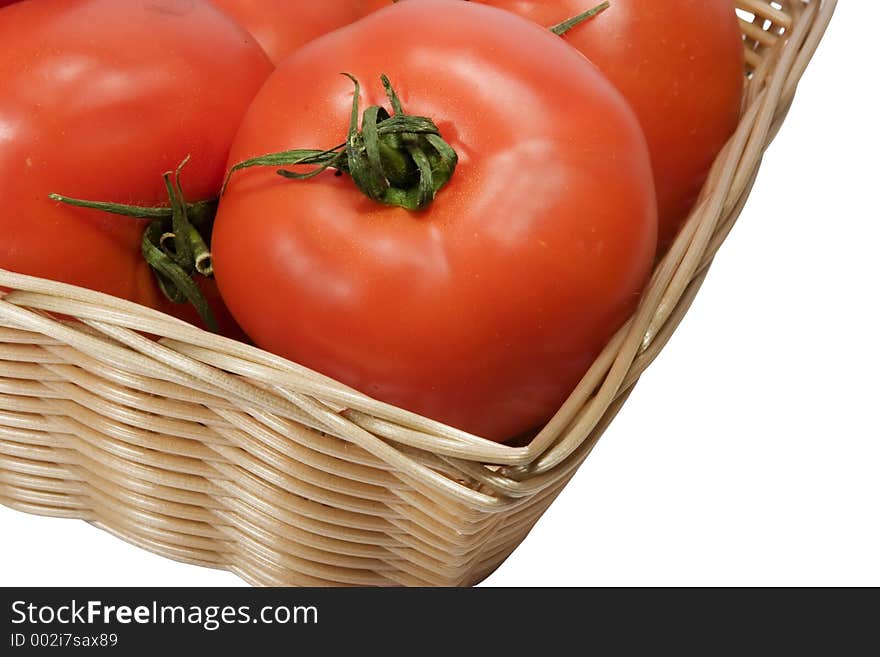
point(213, 452)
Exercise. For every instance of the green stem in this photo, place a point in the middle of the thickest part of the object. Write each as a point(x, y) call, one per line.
point(563, 27)
point(172, 243)
point(398, 159)
point(175, 282)
point(200, 214)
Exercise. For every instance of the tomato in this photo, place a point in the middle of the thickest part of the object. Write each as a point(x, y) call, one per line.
point(376, 5)
point(282, 26)
point(483, 310)
point(680, 64)
point(100, 97)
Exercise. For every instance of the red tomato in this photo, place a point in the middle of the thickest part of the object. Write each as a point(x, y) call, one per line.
point(100, 97)
point(282, 26)
point(680, 65)
point(484, 310)
point(376, 5)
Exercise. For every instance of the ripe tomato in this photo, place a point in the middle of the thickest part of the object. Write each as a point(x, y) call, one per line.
point(100, 97)
point(376, 5)
point(485, 309)
point(680, 65)
point(282, 26)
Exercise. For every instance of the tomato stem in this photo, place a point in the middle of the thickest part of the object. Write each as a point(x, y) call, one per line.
point(200, 214)
point(172, 243)
point(563, 27)
point(398, 159)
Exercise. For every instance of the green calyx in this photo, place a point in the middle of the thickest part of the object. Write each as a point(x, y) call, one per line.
point(398, 159)
point(173, 243)
point(563, 28)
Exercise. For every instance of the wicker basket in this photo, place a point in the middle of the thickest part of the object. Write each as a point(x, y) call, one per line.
point(212, 452)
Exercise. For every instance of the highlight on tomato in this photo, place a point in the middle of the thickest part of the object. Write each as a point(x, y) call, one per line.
point(100, 98)
point(679, 63)
point(456, 226)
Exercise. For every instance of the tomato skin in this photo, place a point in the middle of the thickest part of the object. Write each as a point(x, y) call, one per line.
point(87, 114)
point(484, 310)
point(680, 65)
point(282, 26)
point(376, 5)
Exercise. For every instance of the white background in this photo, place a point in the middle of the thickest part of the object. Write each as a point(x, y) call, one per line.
point(749, 454)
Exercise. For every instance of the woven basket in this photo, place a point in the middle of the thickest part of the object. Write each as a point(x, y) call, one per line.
point(209, 451)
